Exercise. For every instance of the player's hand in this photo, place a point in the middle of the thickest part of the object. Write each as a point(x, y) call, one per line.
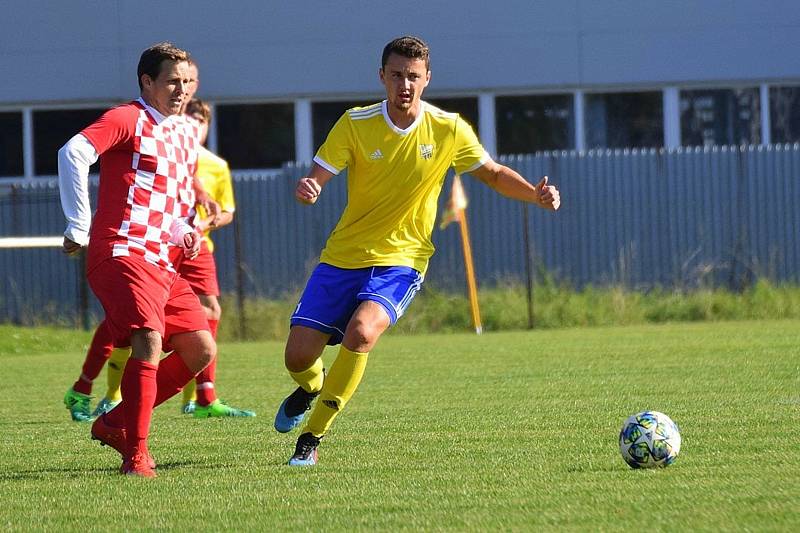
point(549, 197)
point(211, 207)
point(191, 244)
point(70, 247)
point(307, 190)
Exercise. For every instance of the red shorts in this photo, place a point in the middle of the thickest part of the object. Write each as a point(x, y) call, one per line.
point(136, 294)
point(200, 272)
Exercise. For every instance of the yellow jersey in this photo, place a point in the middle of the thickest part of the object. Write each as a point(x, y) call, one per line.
point(394, 178)
point(214, 174)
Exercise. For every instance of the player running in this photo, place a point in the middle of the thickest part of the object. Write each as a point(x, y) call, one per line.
point(397, 153)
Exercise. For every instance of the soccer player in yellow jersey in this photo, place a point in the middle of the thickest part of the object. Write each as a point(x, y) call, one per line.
point(201, 272)
point(397, 153)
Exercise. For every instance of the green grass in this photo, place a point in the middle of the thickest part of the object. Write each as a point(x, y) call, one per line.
point(504, 307)
point(504, 431)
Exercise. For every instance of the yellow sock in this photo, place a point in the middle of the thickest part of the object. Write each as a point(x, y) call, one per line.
point(114, 369)
point(311, 378)
point(190, 392)
point(340, 385)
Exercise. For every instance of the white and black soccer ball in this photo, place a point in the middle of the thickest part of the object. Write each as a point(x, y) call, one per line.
point(649, 439)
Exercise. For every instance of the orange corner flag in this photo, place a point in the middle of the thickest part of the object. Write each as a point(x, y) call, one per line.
point(456, 212)
point(455, 205)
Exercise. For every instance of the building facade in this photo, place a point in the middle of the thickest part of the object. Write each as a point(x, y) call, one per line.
point(531, 76)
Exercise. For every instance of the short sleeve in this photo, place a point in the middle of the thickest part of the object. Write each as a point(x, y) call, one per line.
point(114, 128)
point(225, 198)
point(468, 152)
point(336, 152)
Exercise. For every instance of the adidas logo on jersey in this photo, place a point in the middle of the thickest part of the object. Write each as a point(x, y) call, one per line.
point(426, 151)
point(377, 154)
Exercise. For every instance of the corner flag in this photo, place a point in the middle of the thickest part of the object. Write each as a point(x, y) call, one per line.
point(456, 212)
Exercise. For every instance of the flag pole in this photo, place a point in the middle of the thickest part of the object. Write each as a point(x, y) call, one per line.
point(472, 286)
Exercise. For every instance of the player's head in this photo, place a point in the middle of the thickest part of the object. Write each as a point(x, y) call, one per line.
point(164, 79)
point(201, 112)
point(407, 46)
point(405, 71)
point(194, 83)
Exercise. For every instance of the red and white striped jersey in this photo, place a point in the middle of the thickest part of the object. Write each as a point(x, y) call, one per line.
point(147, 163)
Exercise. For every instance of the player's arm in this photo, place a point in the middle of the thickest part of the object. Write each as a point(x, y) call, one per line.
point(309, 187)
point(511, 184)
point(74, 160)
point(223, 218)
point(203, 198)
point(185, 236)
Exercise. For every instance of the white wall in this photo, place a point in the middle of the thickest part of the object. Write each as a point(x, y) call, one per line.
point(68, 52)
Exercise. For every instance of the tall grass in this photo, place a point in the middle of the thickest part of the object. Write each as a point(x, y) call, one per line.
point(505, 307)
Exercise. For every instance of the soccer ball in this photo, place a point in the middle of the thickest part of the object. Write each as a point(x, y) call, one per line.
point(649, 439)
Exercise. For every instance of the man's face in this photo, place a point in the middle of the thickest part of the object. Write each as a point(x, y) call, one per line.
point(168, 92)
point(404, 79)
point(194, 81)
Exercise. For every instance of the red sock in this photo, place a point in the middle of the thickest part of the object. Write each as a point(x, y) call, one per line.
point(96, 357)
point(138, 398)
point(206, 378)
point(173, 375)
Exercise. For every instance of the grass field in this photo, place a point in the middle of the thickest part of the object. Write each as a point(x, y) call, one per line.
point(506, 431)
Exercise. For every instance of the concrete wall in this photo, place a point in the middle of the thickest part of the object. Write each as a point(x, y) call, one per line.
point(83, 51)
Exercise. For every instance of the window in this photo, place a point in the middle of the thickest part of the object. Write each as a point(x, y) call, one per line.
point(11, 161)
point(527, 124)
point(466, 107)
point(51, 129)
point(255, 135)
point(325, 114)
point(784, 111)
point(720, 116)
point(624, 120)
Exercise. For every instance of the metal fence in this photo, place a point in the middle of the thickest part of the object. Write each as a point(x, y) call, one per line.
point(639, 218)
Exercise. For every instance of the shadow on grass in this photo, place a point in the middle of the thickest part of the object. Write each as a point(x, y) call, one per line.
point(80, 471)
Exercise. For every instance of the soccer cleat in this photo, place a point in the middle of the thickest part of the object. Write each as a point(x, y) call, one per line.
point(140, 464)
point(114, 437)
point(104, 406)
point(78, 405)
point(305, 452)
point(110, 435)
point(293, 409)
point(219, 409)
point(189, 407)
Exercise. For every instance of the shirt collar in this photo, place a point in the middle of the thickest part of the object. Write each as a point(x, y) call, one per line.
point(157, 116)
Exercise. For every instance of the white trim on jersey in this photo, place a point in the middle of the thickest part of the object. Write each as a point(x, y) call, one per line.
point(385, 111)
point(324, 164)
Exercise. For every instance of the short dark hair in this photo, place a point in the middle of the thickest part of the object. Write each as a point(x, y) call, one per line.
point(198, 107)
point(407, 46)
point(151, 59)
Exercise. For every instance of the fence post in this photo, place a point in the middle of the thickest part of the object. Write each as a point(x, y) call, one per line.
point(83, 290)
point(237, 245)
point(528, 263)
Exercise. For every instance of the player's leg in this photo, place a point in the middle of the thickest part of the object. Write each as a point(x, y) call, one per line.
point(208, 404)
point(134, 294)
point(383, 298)
point(320, 318)
point(364, 329)
point(304, 363)
point(189, 398)
point(114, 369)
point(78, 397)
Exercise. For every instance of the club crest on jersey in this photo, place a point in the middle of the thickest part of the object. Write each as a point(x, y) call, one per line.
point(426, 151)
